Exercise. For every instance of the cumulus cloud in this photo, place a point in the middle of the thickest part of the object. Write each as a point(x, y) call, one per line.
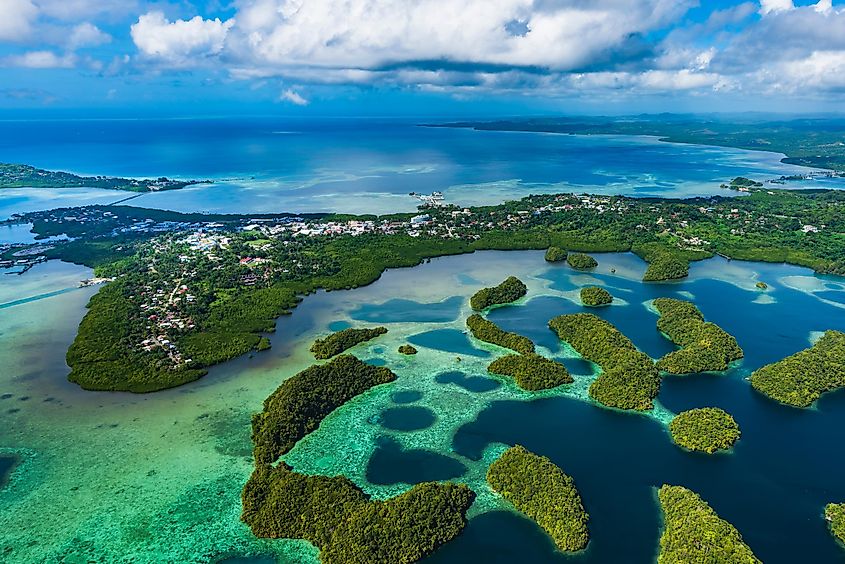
point(87, 35)
point(769, 6)
point(40, 60)
point(180, 42)
point(293, 97)
point(16, 19)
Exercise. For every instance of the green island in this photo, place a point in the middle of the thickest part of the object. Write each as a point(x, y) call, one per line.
point(761, 286)
point(593, 296)
point(834, 514)
point(508, 291)
point(693, 532)
point(580, 261)
point(408, 349)
point(298, 406)
point(555, 254)
point(706, 429)
point(340, 341)
point(667, 264)
point(801, 379)
point(704, 346)
point(188, 291)
point(487, 331)
point(629, 378)
point(531, 372)
point(540, 489)
point(25, 176)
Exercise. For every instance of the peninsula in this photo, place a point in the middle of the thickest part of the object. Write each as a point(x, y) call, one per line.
point(25, 176)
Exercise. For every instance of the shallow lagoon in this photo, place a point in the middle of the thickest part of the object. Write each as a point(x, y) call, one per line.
point(121, 477)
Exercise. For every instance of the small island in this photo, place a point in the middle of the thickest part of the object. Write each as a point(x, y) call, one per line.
point(508, 291)
point(707, 429)
point(693, 532)
point(25, 176)
point(629, 379)
point(761, 286)
point(540, 489)
point(555, 254)
point(340, 341)
point(408, 350)
point(581, 261)
point(704, 346)
point(487, 331)
point(593, 296)
point(834, 514)
point(298, 406)
point(802, 378)
point(531, 372)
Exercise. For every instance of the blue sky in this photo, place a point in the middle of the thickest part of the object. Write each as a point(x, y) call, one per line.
point(420, 57)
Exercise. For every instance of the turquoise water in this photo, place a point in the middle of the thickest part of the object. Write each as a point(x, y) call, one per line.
point(348, 165)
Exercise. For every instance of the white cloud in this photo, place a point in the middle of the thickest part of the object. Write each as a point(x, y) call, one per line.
point(16, 19)
point(293, 97)
point(181, 42)
point(40, 60)
point(770, 6)
point(87, 35)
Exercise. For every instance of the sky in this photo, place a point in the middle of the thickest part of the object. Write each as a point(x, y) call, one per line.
point(420, 57)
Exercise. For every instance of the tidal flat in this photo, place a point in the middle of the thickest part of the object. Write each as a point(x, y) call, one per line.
point(117, 477)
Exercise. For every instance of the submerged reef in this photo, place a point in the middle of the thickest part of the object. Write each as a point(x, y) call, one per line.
point(508, 291)
point(802, 378)
point(704, 346)
point(693, 532)
point(340, 341)
point(706, 429)
point(541, 490)
point(629, 379)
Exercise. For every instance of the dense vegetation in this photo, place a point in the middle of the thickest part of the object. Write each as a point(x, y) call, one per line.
point(594, 296)
point(489, 332)
point(629, 379)
point(508, 291)
point(666, 262)
point(693, 532)
point(704, 346)
point(338, 518)
point(531, 372)
point(25, 176)
point(580, 261)
point(340, 341)
point(800, 379)
point(707, 429)
point(835, 515)
point(555, 254)
point(540, 490)
point(408, 349)
point(298, 406)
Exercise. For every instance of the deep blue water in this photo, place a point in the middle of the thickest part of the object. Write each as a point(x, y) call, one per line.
point(275, 164)
point(7, 464)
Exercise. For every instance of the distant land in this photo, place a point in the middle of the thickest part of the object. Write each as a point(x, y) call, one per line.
point(818, 143)
point(26, 176)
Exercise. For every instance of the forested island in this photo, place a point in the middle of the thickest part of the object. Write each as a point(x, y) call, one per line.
point(508, 291)
point(542, 491)
point(593, 296)
point(555, 254)
point(25, 176)
point(408, 350)
point(339, 341)
point(531, 372)
point(487, 331)
point(581, 261)
point(629, 378)
point(707, 429)
point(834, 513)
point(704, 346)
point(802, 378)
point(693, 532)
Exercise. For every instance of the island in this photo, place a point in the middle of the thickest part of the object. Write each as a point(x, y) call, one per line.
point(25, 176)
point(531, 372)
point(593, 296)
point(693, 532)
point(801, 379)
point(555, 254)
point(704, 346)
point(580, 261)
point(508, 291)
point(539, 489)
point(487, 331)
point(629, 378)
point(834, 514)
point(408, 349)
point(761, 286)
point(707, 429)
point(666, 264)
point(298, 406)
point(742, 184)
point(340, 341)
